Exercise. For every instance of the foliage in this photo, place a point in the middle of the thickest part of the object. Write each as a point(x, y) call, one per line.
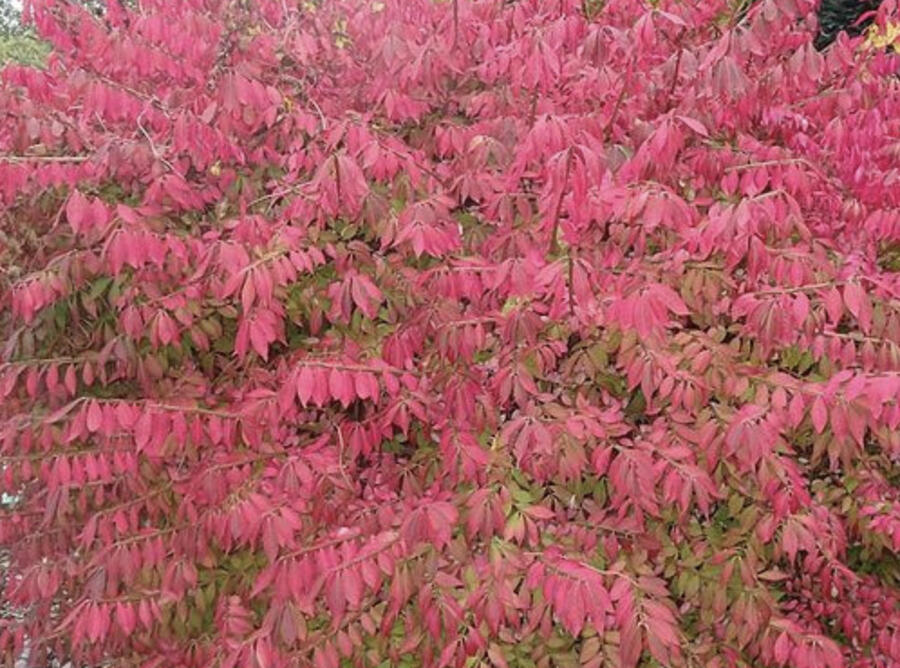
point(18, 43)
point(415, 333)
point(22, 48)
point(849, 15)
point(883, 37)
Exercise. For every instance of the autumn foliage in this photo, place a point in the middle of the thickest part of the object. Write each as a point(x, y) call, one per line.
point(451, 333)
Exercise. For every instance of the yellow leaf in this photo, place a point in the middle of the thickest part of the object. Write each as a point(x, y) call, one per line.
point(890, 36)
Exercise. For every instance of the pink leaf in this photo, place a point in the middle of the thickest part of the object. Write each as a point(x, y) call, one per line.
point(858, 304)
point(819, 414)
point(77, 210)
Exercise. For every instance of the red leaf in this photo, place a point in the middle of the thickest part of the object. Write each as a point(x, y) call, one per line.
point(858, 304)
point(142, 430)
point(126, 617)
point(70, 381)
point(694, 125)
point(782, 648)
point(305, 381)
point(353, 587)
point(94, 416)
point(539, 513)
point(819, 414)
point(259, 338)
point(366, 385)
point(77, 209)
point(340, 384)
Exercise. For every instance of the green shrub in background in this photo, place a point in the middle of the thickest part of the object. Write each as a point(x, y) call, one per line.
point(17, 43)
point(23, 48)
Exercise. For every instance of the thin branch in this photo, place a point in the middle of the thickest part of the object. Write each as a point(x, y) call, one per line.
point(22, 159)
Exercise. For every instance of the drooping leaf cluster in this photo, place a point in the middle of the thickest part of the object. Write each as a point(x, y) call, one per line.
point(419, 333)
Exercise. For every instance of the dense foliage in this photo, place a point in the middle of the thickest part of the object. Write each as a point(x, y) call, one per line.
point(853, 16)
point(22, 48)
point(16, 42)
point(478, 332)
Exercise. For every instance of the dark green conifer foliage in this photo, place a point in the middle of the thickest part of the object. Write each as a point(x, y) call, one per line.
point(837, 15)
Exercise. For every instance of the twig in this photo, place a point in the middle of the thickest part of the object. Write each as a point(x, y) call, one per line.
point(153, 149)
point(554, 242)
point(17, 159)
point(341, 448)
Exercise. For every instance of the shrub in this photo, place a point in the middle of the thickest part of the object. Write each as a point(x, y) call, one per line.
point(23, 49)
point(837, 15)
point(418, 333)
